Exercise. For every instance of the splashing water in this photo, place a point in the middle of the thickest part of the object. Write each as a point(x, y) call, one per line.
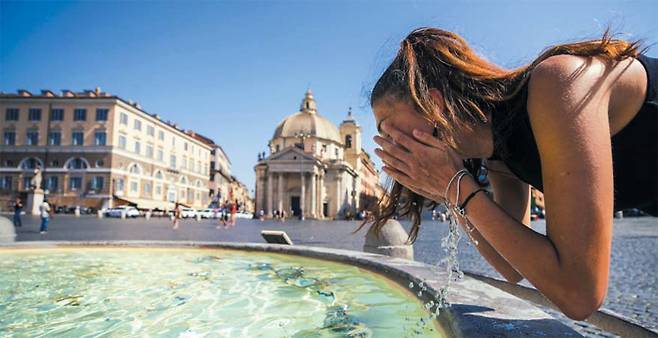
point(449, 245)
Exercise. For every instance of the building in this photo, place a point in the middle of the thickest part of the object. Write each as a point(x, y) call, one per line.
point(98, 150)
point(315, 168)
point(220, 172)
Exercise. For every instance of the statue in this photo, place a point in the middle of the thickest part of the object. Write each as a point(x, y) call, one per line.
point(35, 182)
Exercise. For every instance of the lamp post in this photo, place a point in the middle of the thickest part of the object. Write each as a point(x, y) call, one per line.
point(302, 135)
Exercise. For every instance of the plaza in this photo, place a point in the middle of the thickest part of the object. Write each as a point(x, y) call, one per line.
point(632, 289)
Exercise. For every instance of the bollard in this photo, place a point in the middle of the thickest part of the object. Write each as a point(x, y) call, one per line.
point(99, 213)
point(123, 213)
point(198, 217)
point(77, 211)
point(148, 215)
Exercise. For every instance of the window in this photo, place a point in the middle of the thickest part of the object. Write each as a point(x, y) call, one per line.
point(172, 161)
point(32, 137)
point(52, 182)
point(150, 130)
point(77, 138)
point(134, 169)
point(54, 163)
point(77, 164)
point(100, 163)
point(55, 138)
point(122, 142)
point(34, 114)
point(161, 135)
point(183, 164)
point(75, 183)
point(80, 114)
point(158, 189)
point(348, 141)
point(138, 147)
point(123, 118)
point(137, 125)
point(101, 114)
point(30, 163)
point(11, 114)
point(185, 146)
point(5, 183)
point(9, 138)
point(277, 148)
point(336, 152)
point(158, 175)
point(160, 155)
point(134, 186)
point(57, 114)
point(100, 138)
point(119, 184)
point(27, 182)
point(97, 182)
point(149, 151)
point(147, 188)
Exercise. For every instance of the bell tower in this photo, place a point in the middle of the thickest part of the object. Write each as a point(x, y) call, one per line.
point(350, 134)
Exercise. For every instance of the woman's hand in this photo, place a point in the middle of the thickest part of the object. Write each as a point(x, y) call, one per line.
point(421, 163)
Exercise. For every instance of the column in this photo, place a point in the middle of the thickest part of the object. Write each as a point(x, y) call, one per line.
point(321, 195)
point(301, 197)
point(339, 193)
point(314, 197)
point(269, 194)
point(280, 192)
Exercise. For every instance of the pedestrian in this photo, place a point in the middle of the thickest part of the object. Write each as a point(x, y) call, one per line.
point(44, 211)
point(261, 215)
point(177, 215)
point(18, 208)
point(234, 211)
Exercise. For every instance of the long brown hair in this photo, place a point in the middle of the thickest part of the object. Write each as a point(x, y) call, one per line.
point(471, 87)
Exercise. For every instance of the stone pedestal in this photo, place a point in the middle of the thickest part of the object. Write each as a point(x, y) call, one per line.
point(391, 242)
point(34, 200)
point(7, 231)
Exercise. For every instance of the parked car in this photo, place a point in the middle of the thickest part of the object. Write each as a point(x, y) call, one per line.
point(207, 213)
point(188, 212)
point(116, 212)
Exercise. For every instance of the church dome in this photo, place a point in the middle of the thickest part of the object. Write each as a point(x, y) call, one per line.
point(309, 121)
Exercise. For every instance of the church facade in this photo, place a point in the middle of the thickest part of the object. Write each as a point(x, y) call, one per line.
point(315, 169)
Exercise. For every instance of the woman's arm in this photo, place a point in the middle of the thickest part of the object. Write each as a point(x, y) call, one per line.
point(570, 264)
point(513, 196)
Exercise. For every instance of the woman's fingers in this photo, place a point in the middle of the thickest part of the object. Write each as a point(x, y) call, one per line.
point(392, 161)
point(394, 149)
point(400, 137)
point(427, 139)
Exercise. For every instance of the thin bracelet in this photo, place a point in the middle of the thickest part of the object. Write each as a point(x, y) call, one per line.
point(459, 180)
point(461, 209)
point(450, 182)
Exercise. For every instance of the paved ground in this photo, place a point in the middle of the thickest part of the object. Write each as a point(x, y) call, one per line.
point(633, 272)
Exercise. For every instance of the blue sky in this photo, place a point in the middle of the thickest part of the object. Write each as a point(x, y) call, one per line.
point(233, 70)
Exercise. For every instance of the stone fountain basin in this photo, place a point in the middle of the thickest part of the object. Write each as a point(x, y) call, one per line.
point(477, 309)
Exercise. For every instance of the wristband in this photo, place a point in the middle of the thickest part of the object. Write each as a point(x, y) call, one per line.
point(461, 209)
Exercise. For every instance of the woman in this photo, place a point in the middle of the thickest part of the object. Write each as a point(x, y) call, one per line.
point(563, 124)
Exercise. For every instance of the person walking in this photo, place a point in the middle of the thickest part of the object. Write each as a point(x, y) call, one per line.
point(18, 208)
point(234, 211)
point(177, 215)
point(44, 211)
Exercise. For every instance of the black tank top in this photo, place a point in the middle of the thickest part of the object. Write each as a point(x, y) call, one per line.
point(634, 148)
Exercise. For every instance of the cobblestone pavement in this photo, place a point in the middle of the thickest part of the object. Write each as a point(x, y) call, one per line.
point(632, 288)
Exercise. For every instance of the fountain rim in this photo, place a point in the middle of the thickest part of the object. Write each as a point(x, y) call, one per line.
point(495, 313)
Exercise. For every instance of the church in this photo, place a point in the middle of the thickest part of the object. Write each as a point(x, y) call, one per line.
point(315, 170)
